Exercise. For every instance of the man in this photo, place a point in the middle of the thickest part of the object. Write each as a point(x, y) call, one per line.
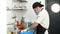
point(42, 21)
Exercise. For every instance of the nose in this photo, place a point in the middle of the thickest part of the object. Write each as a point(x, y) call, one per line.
point(37, 9)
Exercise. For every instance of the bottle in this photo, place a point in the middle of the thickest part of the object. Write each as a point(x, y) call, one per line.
point(22, 20)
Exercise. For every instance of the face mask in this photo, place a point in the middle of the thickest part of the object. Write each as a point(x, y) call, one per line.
point(37, 12)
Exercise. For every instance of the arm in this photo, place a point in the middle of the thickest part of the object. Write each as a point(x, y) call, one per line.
point(30, 28)
point(34, 25)
point(38, 21)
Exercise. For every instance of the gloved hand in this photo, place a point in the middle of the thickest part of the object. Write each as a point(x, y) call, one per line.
point(25, 30)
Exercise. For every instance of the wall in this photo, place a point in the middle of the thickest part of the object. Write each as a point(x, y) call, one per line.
point(28, 14)
point(54, 17)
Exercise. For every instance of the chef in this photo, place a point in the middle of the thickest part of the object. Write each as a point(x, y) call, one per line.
point(42, 21)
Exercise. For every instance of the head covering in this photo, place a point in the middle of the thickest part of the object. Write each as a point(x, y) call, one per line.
point(37, 4)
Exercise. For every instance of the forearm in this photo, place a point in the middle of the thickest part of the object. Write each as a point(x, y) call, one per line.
point(34, 25)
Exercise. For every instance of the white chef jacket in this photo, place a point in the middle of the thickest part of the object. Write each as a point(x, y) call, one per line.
point(43, 19)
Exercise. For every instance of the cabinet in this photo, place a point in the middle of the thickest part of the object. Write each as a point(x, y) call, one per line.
point(16, 5)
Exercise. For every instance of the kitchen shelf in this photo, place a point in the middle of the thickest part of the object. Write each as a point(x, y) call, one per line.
point(17, 5)
point(22, 0)
point(16, 9)
point(19, 9)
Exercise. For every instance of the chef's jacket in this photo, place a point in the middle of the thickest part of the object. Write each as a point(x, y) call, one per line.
point(43, 19)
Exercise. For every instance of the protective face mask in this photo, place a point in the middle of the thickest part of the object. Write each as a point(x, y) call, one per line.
point(37, 12)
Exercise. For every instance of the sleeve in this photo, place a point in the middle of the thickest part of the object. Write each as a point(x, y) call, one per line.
point(40, 18)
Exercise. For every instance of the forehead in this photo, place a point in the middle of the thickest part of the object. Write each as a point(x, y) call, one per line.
point(37, 7)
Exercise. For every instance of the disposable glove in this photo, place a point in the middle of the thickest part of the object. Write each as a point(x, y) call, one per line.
point(25, 30)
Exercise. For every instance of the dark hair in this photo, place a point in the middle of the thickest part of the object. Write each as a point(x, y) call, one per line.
point(37, 4)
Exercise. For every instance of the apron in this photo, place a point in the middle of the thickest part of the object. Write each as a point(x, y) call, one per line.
point(40, 29)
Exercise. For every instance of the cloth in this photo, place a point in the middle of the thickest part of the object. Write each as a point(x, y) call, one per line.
point(25, 30)
point(40, 29)
point(43, 19)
